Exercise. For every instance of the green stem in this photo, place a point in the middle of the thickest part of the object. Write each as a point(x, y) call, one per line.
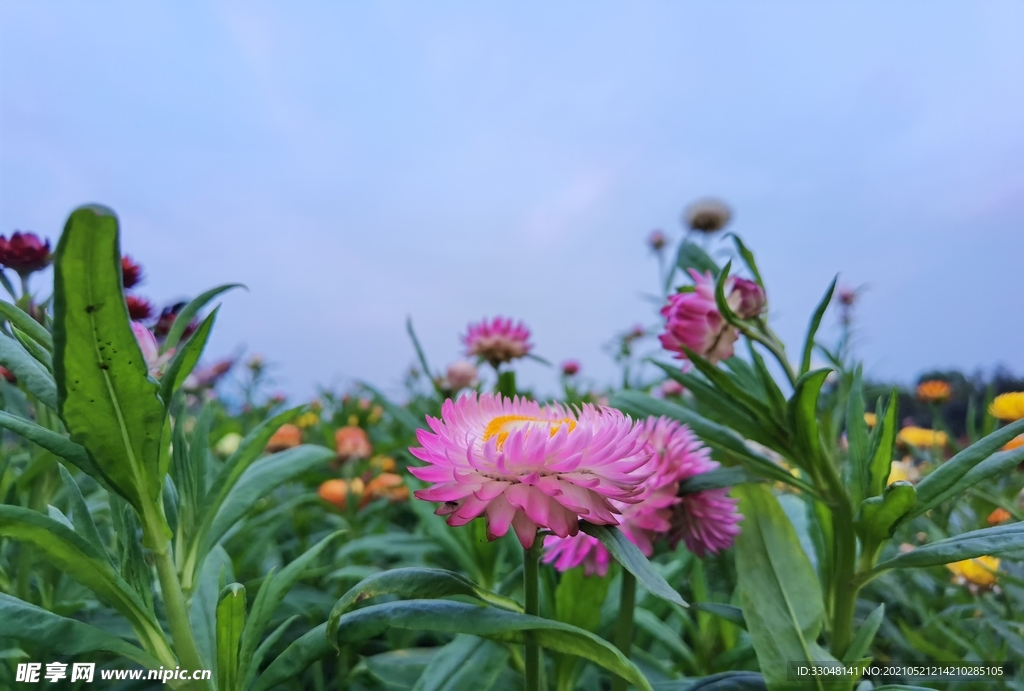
point(531, 595)
point(624, 625)
point(845, 585)
point(770, 341)
point(177, 613)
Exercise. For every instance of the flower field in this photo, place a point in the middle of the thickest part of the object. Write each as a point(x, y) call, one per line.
point(739, 514)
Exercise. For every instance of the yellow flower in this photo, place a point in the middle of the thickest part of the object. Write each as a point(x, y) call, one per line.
point(307, 419)
point(383, 464)
point(921, 437)
point(980, 571)
point(1008, 406)
point(934, 391)
point(870, 419)
point(897, 472)
point(228, 444)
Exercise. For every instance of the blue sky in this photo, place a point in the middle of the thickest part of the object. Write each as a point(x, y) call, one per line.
point(358, 163)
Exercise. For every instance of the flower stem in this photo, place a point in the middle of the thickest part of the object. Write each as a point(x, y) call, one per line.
point(624, 625)
point(177, 614)
point(531, 595)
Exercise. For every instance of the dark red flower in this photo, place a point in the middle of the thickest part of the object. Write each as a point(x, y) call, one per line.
point(139, 308)
point(131, 272)
point(570, 367)
point(167, 317)
point(24, 253)
point(8, 375)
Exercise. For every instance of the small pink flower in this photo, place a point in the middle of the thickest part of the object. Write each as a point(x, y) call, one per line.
point(460, 375)
point(657, 240)
point(498, 340)
point(678, 455)
point(150, 350)
point(24, 253)
point(747, 296)
point(692, 319)
point(570, 367)
point(670, 387)
point(529, 466)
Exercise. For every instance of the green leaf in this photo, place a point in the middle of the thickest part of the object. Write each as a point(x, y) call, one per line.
point(730, 613)
point(216, 571)
point(775, 396)
point(259, 480)
point(976, 543)
point(467, 662)
point(880, 447)
point(30, 372)
point(105, 395)
point(293, 660)
point(803, 416)
point(995, 465)
point(265, 647)
point(940, 484)
point(857, 438)
point(578, 600)
point(230, 622)
point(25, 323)
point(633, 560)
point(718, 478)
point(59, 635)
point(812, 329)
point(640, 405)
point(865, 634)
point(80, 516)
point(269, 598)
point(443, 616)
point(748, 259)
point(414, 583)
point(57, 444)
point(249, 450)
point(185, 359)
point(41, 354)
point(725, 681)
point(779, 591)
point(879, 516)
point(184, 317)
point(737, 394)
point(691, 256)
point(663, 634)
point(73, 555)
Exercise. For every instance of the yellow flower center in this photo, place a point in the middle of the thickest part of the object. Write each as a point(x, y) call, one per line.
point(503, 425)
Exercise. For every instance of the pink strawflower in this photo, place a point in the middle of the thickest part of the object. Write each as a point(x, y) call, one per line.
point(678, 455)
point(746, 298)
point(530, 466)
point(657, 240)
point(150, 350)
point(498, 340)
point(692, 320)
point(570, 367)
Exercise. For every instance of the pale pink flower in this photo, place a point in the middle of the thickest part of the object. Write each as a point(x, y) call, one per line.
point(670, 387)
point(498, 340)
point(460, 375)
point(155, 361)
point(678, 455)
point(529, 466)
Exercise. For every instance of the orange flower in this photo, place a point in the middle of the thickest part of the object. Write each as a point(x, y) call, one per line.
point(385, 464)
point(385, 486)
point(998, 516)
point(336, 491)
point(351, 443)
point(934, 391)
point(286, 437)
point(1014, 443)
